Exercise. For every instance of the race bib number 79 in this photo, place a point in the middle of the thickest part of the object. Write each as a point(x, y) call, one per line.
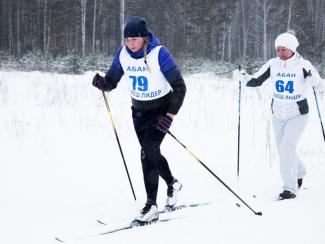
point(139, 83)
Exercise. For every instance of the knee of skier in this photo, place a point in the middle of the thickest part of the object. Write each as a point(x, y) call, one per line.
point(150, 152)
point(287, 147)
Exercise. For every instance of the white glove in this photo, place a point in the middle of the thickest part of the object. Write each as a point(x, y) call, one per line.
point(241, 75)
point(320, 87)
point(312, 80)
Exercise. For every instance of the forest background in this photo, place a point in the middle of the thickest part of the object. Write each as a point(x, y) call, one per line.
point(80, 35)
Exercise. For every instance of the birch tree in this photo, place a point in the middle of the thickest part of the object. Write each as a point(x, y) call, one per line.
point(244, 29)
point(94, 28)
point(122, 11)
point(10, 28)
point(289, 14)
point(261, 25)
point(83, 26)
point(45, 30)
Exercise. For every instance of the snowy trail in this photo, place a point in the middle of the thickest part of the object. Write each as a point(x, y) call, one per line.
point(60, 168)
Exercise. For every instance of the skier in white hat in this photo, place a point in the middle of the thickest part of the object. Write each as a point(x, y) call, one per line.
point(290, 75)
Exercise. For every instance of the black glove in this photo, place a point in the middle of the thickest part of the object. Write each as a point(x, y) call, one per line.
point(164, 123)
point(99, 82)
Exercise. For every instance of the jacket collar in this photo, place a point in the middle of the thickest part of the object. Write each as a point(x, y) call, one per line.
point(292, 61)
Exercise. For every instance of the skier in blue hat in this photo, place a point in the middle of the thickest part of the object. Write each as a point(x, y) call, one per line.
point(157, 90)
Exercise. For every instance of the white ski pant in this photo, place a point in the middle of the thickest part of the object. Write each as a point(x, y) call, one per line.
point(287, 134)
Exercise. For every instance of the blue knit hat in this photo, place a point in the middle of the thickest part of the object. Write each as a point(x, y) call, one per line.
point(136, 27)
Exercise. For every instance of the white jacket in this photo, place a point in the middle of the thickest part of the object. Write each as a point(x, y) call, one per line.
point(290, 80)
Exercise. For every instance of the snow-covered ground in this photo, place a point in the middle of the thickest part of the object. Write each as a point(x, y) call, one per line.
point(61, 170)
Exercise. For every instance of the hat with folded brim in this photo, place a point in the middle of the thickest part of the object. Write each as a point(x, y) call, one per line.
point(287, 40)
point(136, 27)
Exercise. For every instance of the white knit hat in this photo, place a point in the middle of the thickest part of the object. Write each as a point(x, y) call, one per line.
point(287, 40)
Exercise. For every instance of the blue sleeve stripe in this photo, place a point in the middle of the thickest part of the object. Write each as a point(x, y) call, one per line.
point(116, 72)
point(168, 65)
point(166, 60)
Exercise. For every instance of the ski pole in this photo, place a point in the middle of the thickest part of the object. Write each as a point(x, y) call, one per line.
point(319, 115)
point(118, 142)
point(211, 172)
point(238, 130)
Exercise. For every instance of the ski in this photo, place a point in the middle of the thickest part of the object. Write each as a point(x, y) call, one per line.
point(133, 224)
point(136, 223)
point(170, 209)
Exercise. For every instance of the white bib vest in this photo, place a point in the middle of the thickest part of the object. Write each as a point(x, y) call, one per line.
point(144, 84)
point(288, 83)
point(289, 87)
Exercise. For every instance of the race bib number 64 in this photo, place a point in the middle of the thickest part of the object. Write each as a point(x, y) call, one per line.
point(281, 86)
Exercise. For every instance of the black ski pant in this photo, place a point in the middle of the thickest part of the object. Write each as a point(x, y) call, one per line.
point(154, 164)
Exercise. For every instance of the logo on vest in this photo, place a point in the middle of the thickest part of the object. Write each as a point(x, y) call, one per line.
point(145, 95)
point(136, 69)
point(287, 97)
point(290, 75)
